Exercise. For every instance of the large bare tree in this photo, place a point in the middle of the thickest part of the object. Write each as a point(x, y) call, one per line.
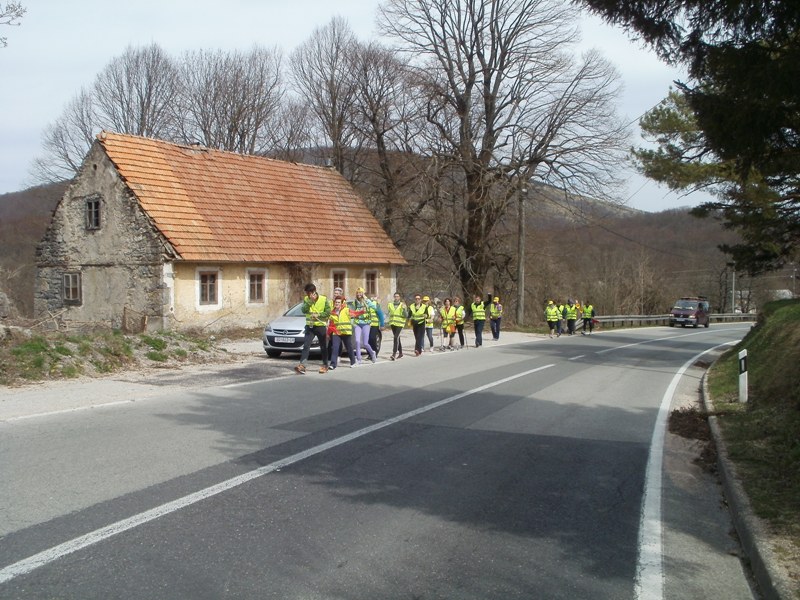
point(321, 72)
point(229, 100)
point(385, 120)
point(505, 104)
point(135, 93)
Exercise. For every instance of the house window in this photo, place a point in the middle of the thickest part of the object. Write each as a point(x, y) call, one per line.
point(208, 287)
point(72, 288)
point(371, 283)
point(93, 213)
point(256, 287)
point(339, 279)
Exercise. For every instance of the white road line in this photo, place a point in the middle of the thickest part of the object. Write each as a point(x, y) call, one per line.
point(649, 583)
point(43, 558)
point(65, 410)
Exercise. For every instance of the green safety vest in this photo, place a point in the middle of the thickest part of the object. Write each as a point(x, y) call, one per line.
point(572, 312)
point(588, 311)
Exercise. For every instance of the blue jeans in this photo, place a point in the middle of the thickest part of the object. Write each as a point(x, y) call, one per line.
point(495, 325)
point(338, 340)
point(479, 323)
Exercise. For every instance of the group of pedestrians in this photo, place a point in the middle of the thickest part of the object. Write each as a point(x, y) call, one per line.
point(338, 323)
point(449, 315)
point(562, 318)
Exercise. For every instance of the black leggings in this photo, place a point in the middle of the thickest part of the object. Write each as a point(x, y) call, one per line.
point(397, 347)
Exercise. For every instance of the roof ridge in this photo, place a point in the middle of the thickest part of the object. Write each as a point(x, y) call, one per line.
point(198, 146)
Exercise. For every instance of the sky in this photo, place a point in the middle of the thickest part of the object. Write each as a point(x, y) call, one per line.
point(61, 46)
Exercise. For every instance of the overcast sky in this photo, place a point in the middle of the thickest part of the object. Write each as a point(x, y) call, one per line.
point(61, 46)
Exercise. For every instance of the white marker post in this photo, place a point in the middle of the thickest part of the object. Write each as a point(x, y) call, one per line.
point(743, 376)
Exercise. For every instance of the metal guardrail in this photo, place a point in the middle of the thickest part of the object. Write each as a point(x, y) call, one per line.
point(650, 320)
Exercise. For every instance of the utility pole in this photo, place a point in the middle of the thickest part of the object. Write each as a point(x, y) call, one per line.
point(521, 193)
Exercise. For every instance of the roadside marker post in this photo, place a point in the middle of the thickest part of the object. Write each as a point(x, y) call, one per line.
point(743, 376)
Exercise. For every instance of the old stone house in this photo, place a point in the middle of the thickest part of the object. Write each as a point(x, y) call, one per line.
point(157, 236)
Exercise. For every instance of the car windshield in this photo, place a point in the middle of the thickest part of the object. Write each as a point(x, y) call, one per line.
point(295, 311)
point(686, 304)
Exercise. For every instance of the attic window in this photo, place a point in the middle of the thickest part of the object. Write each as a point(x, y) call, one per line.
point(72, 288)
point(93, 213)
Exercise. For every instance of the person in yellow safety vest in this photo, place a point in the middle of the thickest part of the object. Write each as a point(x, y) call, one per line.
point(461, 314)
point(588, 317)
point(552, 316)
point(448, 315)
point(418, 312)
point(478, 312)
point(317, 310)
point(429, 315)
point(375, 325)
point(495, 316)
point(361, 310)
point(398, 313)
point(572, 316)
point(562, 318)
point(341, 331)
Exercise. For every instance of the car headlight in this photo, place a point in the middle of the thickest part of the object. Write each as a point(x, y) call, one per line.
point(268, 328)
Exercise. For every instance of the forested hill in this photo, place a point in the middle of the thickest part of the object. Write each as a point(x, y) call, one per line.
point(24, 216)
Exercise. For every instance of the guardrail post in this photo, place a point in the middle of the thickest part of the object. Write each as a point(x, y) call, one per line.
point(743, 376)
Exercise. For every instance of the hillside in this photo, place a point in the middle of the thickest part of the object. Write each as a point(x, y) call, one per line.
point(24, 216)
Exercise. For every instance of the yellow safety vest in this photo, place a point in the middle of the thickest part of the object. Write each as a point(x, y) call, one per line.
point(551, 312)
point(478, 311)
point(322, 307)
point(397, 314)
point(448, 318)
point(418, 314)
point(342, 322)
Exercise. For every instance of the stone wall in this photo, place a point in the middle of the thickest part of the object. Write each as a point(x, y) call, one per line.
point(120, 262)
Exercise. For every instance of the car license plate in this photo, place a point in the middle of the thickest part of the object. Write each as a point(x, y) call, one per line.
point(284, 340)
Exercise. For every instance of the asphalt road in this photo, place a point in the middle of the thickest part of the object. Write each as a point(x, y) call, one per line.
point(531, 468)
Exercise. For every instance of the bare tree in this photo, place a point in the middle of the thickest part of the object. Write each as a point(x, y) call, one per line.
point(66, 141)
point(385, 120)
point(321, 72)
point(229, 100)
point(10, 14)
point(505, 104)
point(135, 93)
point(290, 135)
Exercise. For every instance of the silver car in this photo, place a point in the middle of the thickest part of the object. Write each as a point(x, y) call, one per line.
point(287, 333)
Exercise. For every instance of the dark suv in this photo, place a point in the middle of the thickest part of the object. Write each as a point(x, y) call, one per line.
point(690, 310)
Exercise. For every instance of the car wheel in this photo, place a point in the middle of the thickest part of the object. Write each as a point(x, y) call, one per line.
point(707, 324)
point(378, 340)
point(695, 325)
point(273, 353)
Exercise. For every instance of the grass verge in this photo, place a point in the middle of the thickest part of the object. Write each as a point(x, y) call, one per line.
point(763, 436)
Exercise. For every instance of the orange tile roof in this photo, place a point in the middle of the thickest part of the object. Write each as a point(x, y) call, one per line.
point(223, 207)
